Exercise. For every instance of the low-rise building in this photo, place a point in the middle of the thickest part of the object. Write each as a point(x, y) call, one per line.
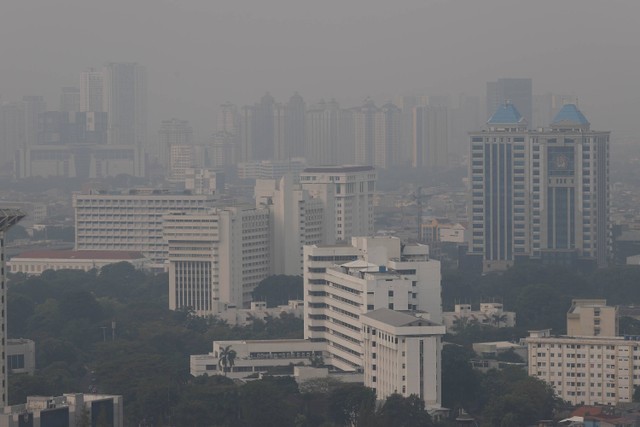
point(402, 354)
point(68, 410)
point(34, 263)
point(235, 316)
point(254, 356)
point(21, 356)
point(489, 313)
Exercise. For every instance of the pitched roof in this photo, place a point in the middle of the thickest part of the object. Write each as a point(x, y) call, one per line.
point(506, 113)
point(570, 114)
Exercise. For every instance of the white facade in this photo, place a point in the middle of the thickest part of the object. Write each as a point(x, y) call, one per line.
point(91, 90)
point(183, 158)
point(297, 219)
point(402, 354)
point(347, 193)
point(255, 356)
point(343, 282)
point(203, 181)
point(271, 169)
point(130, 221)
point(217, 257)
point(21, 356)
point(34, 263)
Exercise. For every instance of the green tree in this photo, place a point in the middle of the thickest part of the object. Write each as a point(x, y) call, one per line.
point(278, 290)
point(226, 358)
point(351, 405)
point(403, 411)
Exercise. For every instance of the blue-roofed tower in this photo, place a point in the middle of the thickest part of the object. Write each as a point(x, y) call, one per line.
point(570, 118)
point(500, 190)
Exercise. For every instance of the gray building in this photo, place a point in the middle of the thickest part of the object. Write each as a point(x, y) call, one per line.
point(518, 92)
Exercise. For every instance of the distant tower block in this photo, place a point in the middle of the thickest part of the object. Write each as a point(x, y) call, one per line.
point(8, 218)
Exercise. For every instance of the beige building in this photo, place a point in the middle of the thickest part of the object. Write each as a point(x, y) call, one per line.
point(34, 263)
point(21, 356)
point(489, 313)
point(587, 369)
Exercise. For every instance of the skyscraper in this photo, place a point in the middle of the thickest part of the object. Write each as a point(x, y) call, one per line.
point(570, 191)
point(33, 107)
point(263, 134)
point(91, 90)
point(364, 132)
point(539, 194)
point(322, 122)
point(125, 101)
point(430, 137)
point(388, 133)
point(172, 132)
point(518, 92)
point(500, 193)
point(295, 123)
point(70, 99)
point(8, 218)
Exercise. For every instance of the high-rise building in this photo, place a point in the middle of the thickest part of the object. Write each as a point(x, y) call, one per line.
point(570, 191)
point(430, 137)
point(92, 90)
point(182, 158)
point(281, 148)
point(8, 218)
point(500, 190)
point(518, 92)
point(344, 282)
point(541, 194)
point(221, 151)
point(172, 132)
point(364, 118)
point(125, 101)
point(244, 150)
point(297, 219)
point(388, 135)
point(33, 107)
point(70, 99)
point(131, 221)
point(321, 133)
point(12, 127)
point(347, 194)
point(228, 120)
point(262, 140)
point(217, 257)
point(295, 126)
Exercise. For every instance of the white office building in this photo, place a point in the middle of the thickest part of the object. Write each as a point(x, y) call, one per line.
point(297, 219)
point(130, 221)
point(217, 257)
point(402, 354)
point(343, 282)
point(347, 194)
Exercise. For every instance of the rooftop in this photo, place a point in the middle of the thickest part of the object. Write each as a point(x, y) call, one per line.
point(110, 255)
point(506, 113)
point(397, 318)
point(338, 169)
point(570, 114)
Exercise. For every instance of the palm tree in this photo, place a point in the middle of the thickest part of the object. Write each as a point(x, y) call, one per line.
point(497, 319)
point(227, 358)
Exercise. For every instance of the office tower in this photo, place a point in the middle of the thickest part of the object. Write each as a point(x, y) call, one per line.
point(364, 118)
point(295, 126)
point(465, 117)
point(406, 105)
point(518, 92)
point(228, 119)
point(70, 99)
point(125, 101)
point(346, 136)
point(570, 188)
point(244, 151)
point(172, 132)
point(342, 283)
point(499, 208)
point(217, 257)
point(12, 127)
point(8, 218)
point(33, 107)
point(183, 157)
point(130, 221)
point(297, 219)
point(321, 133)
point(347, 194)
point(402, 354)
point(263, 133)
point(53, 128)
point(91, 90)
point(387, 138)
point(430, 137)
point(281, 149)
point(221, 151)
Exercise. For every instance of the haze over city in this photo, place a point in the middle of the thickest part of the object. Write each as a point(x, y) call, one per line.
point(200, 54)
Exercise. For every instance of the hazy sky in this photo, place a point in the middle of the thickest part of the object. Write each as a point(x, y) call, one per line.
point(200, 53)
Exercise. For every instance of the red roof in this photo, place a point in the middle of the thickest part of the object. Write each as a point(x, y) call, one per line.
point(109, 255)
point(584, 410)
